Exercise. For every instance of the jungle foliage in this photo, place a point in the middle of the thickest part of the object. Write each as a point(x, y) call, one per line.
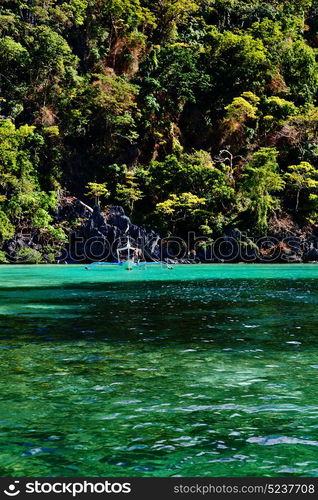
point(193, 114)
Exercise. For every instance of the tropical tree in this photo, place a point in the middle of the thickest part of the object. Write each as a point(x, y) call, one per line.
point(300, 177)
point(129, 192)
point(261, 180)
point(243, 108)
point(178, 207)
point(96, 190)
point(22, 199)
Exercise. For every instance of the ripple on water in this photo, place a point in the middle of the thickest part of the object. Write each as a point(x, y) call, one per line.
point(278, 440)
point(152, 377)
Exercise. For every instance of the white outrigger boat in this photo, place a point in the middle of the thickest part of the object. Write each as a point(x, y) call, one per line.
point(131, 260)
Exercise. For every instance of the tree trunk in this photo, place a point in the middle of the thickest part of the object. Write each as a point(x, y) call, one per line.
point(297, 200)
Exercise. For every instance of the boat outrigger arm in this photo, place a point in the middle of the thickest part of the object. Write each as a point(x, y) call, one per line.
point(129, 265)
point(131, 260)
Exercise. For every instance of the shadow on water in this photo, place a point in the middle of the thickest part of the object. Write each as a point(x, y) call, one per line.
point(262, 311)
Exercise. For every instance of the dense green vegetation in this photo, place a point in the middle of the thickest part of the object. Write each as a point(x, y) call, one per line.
point(196, 114)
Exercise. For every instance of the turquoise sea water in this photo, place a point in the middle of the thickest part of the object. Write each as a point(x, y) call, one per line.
point(196, 371)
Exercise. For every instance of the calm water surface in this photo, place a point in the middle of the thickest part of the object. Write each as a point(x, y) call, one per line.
point(199, 371)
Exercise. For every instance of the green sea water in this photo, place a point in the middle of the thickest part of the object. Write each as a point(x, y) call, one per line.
point(207, 370)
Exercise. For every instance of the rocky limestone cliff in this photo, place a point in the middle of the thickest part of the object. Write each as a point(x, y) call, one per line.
point(95, 236)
